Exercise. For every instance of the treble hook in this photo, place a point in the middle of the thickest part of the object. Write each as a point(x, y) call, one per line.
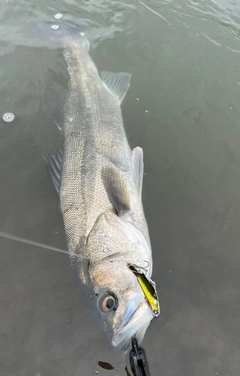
point(144, 268)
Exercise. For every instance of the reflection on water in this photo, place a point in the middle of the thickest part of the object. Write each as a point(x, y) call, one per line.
point(184, 59)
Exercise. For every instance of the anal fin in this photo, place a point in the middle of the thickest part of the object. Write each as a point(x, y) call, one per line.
point(117, 83)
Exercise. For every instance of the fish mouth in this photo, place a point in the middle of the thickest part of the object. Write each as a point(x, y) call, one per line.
point(135, 322)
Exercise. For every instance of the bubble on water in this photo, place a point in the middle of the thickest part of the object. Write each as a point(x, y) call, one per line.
point(8, 117)
point(82, 34)
point(146, 111)
point(55, 27)
point(58, 16)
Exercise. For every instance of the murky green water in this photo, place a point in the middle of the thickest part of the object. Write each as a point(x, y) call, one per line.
point(183, 109)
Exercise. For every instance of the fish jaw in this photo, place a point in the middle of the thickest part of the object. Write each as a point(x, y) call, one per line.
point(134, 324)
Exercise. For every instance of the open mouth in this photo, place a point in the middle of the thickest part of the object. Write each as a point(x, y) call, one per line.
point(138, 313)
point(135, 322)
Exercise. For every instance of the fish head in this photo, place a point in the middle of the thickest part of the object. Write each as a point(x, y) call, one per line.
point(120, 303)
point(117, 297)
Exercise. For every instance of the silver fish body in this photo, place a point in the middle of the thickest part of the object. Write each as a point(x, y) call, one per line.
point(99, 182)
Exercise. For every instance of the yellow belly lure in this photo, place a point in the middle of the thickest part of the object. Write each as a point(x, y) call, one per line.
point(149, 290)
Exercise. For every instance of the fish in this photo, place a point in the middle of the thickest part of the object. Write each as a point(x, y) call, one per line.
point(98, 179)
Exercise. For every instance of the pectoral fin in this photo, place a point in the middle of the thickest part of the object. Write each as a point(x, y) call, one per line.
point(54, 166)
point(55, 111)
point(137, 160)
point(116, 189)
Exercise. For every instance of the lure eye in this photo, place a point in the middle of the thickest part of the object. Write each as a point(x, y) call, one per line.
point(109, 303)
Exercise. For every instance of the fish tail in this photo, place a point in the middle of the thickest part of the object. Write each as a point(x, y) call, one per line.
point(63, 32)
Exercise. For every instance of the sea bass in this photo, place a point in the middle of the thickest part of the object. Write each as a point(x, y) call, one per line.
point(98, 179)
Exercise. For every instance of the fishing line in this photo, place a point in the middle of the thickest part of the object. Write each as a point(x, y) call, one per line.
point(40, 245)
point(31, 242)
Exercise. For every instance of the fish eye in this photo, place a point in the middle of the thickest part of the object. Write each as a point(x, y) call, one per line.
point(109, 303)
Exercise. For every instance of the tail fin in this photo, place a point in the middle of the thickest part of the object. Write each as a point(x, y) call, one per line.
point(63, 32)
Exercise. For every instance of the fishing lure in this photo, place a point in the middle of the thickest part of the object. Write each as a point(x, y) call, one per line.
point(149, 289)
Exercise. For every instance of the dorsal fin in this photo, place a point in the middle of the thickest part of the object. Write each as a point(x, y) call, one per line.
point(117, 83)
point(116, 189)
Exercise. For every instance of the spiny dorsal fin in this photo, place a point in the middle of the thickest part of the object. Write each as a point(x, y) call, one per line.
point(116, 189)
point(54, 166)
point(138, 166)
point(117, 83)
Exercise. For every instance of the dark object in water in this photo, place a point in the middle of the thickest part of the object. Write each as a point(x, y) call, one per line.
point(138, 360)
point(105, 365)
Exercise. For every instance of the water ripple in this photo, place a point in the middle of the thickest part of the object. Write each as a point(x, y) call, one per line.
point(217, 20)
point(224, 12)
point(104, 17)
point(154, 12)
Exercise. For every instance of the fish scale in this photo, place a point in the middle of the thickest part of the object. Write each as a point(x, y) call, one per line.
point(92, 132)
